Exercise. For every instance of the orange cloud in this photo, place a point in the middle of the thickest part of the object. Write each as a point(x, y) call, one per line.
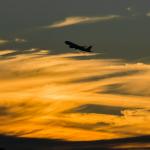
point(38, 94)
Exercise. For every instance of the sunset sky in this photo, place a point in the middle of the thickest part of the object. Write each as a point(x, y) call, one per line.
point(50, 91)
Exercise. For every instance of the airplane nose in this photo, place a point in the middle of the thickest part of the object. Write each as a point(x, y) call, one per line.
point(67, 42)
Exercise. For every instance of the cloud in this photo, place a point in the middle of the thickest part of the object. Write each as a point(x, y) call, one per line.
point(148, 14)
point(46, 87)
point(16, 40)
point(3, 41)
point(97, 109)
point(19, 40)
point(129, 9)
point(69, 21)
point(6, 52)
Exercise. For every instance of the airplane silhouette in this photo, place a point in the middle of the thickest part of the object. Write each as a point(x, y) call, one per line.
point(76, 46)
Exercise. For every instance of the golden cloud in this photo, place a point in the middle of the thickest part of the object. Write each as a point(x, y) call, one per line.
point(3, 41)
point(81, 20)
point(38, 96)
point(5, 52)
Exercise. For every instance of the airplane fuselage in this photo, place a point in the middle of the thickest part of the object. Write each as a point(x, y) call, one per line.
point(76, 46)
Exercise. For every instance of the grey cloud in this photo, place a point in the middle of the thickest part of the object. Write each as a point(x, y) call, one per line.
point(98, 109)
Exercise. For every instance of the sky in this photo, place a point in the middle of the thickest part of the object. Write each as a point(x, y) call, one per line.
point(125, 32)
point(49, 91)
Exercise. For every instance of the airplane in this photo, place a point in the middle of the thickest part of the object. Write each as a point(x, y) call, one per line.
point(75, 46)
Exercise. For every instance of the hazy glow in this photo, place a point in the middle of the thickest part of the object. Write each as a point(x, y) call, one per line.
point(59, 96)
point(129, 8)
point(81, 20)
point(148, 14)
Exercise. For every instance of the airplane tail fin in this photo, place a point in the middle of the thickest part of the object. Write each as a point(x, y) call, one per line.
point(89, 48)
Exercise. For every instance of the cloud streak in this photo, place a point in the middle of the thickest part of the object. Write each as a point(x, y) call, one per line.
point(69, 21)
point(16, 40)
point(19, 40)
point(3, 41)
point(53, 98)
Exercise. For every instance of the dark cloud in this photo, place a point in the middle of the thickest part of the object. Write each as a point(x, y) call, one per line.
point(120, 90)
point(16, 143)
point(78, 125)
point(108, 76)
point(98, 109)
point(4, 110)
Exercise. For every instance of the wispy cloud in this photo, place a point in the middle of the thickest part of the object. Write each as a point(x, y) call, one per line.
point(5, 52)
point(15, 40)
point(19, 40)
point(81, 20)
point(46, 89)
point(3, 41)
